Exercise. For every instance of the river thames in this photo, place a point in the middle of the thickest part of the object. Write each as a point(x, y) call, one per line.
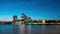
point(29, 29)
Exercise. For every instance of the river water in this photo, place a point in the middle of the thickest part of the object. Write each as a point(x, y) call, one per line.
point(29, 29)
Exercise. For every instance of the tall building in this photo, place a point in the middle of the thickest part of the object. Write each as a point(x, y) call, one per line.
point(24, 19)
point(23, 16)
point(14, 19)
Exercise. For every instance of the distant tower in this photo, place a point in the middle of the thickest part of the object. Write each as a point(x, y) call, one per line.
point(23, 16)
point(14, 19)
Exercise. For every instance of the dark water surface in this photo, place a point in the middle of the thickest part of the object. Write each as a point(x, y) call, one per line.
point(29, 29)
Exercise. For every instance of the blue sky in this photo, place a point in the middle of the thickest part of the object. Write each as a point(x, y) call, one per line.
point(36, 9)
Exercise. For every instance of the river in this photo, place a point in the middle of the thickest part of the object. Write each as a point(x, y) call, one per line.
point(29, 29)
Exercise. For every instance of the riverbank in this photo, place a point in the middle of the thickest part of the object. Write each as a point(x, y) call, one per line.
point(44, 24)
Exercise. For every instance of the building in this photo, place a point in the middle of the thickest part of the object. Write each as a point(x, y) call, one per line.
point(24, 19)
point(14, 19)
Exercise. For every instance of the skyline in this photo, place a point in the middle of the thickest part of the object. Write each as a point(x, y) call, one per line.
point(36, 9)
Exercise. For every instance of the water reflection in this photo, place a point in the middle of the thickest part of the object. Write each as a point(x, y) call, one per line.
point(43, 29)
point(29, 29)
point(24, 29)
point(15, 29)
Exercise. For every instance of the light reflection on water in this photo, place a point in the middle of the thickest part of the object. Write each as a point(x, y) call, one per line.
point(24, 29)
point(29, 29)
